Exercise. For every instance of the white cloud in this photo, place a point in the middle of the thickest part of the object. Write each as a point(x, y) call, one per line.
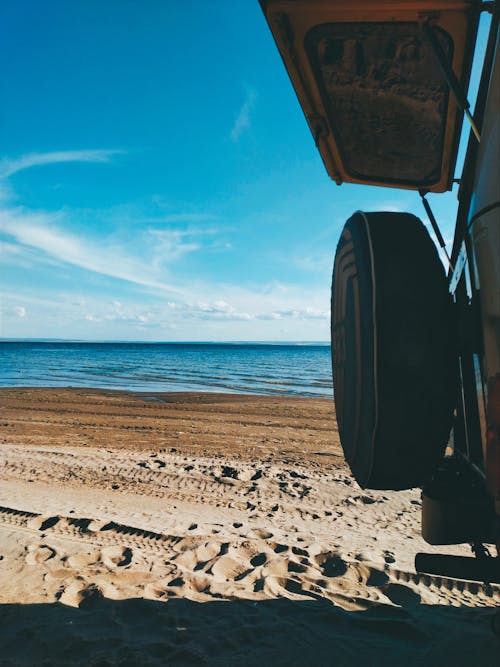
point(220, 309)
point(40, 231)
point(124, 316)
point(15, 312)
point(296, 314)
point(9, 166)
point(242, 120)
point(169, 244)
point(212, 310)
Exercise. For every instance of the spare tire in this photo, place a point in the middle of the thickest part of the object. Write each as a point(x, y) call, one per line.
point(394, 355)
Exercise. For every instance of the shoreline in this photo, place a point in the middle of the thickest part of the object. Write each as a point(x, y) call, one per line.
point(175, 393)
point(229, 424)
point(202, 389)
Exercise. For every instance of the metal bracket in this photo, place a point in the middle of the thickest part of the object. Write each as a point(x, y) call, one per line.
point(435, 226)
point(458, 269)
point(449, 75)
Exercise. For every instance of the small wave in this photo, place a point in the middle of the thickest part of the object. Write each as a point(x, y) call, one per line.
point(257, 369)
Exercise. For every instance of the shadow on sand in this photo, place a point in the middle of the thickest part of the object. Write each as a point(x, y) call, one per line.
point(264, 633)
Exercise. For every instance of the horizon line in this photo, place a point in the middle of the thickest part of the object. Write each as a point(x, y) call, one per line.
point(165, 342)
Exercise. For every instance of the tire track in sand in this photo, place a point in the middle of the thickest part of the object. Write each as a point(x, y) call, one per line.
point(118, 558)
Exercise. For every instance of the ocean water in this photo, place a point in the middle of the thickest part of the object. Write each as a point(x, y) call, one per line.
point(271, 369)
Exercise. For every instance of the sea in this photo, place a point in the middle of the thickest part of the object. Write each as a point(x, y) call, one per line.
point(281, 369)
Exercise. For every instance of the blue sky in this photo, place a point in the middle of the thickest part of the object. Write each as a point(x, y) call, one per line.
point(158, 180)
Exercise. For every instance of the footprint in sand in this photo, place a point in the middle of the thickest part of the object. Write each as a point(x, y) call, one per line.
point(247, 549)
point(178, 581)
point(298, 551)
point(359, 500)
point(43, 522)
point(258, 560)
point(238, 562)
point(403, 596)
point(296, 568)
point(187, 559)
point(78, 561)
point(227, 567)
point(246, 475)
point(261, 533)
point(95, 525)
point(208, 551)
point(80, 594)
point(194, 557)
point(39, 554)
point(155, 592)
point(116, 556)
point(229, 471)
point(111, 557)
point(276, 586)
point(331, 564)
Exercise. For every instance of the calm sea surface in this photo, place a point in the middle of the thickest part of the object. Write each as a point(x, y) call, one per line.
point(279, 369)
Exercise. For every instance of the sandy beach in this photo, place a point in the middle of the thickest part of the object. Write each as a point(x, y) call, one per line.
point(212, 529)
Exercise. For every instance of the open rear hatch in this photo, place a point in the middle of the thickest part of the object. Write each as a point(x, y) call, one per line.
point(367, 78)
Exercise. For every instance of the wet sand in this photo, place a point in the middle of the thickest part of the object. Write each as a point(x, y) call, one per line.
point(191, 529)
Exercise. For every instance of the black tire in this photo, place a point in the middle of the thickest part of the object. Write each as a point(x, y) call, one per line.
point(393, 350)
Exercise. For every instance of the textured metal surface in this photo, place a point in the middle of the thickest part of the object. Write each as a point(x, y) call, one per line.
point(366, 76)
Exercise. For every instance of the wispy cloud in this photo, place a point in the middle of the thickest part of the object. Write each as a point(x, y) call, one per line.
point(196, 308)
point(43, 236)
point(181, 217)
point(9, 166)
point(170, 244)
point(41, 231)
point(243, 119)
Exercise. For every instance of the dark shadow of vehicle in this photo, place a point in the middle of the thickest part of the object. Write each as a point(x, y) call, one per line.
point(262, 633)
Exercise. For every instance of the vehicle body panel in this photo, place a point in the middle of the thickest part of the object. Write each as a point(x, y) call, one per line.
point(368, 82)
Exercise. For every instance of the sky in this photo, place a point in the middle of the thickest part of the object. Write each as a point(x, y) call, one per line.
point(158, 180)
